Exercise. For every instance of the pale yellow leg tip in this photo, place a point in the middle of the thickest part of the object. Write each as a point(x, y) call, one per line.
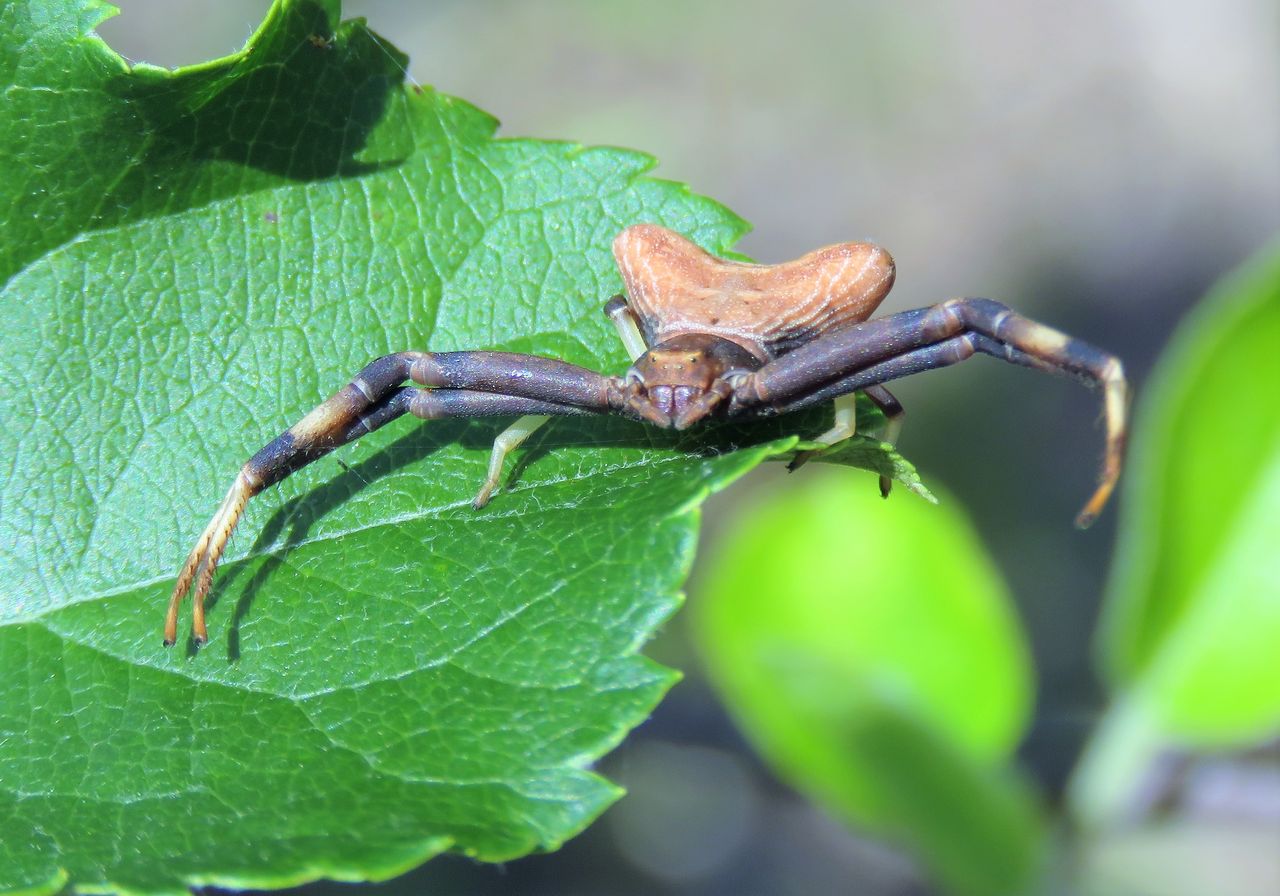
point(484, 495)
point(800, 460)
point(1091, 510)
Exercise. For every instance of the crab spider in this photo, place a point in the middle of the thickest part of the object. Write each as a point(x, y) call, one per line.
point(709, 338)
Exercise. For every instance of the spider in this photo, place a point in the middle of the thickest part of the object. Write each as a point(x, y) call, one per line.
point(710, 338)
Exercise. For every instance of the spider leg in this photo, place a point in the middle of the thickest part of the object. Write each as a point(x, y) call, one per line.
point(507, 441)
point(893, 414)
point(628, 327)
point(335, 422)
point(624, 321)
point(845, 426)
point(461, 384)
point(885, 349)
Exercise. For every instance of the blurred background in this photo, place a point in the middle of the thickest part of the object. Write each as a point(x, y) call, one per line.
point(1097, 165)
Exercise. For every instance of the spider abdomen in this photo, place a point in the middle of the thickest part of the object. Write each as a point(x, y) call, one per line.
point(675, 288)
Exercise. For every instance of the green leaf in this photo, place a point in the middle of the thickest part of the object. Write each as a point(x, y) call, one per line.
point(865, 453)
point(90, 142)
point(869, 651)
point(1192, 620)
point(862, 452)
point(200, 257)
point(1193, 614)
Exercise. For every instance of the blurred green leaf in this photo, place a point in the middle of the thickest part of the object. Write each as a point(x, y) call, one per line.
point(869, 651)
point(197, 259)
point(1192, 623)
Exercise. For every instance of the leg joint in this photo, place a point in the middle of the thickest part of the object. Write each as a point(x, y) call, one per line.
point(946, 319)
point(615, 306)
point(746, 392)
point(984, 315)
point(426, 405)
point(1113, 372)
point(425, 370)
point(961, 348)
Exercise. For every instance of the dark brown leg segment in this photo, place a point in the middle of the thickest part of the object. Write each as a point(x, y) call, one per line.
point(469, 384)
point(893, 415)
point(881, 350)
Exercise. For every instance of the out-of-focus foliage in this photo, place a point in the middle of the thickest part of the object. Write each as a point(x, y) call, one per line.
point(1192, 626)
point(1193, 621)
point(869, 650)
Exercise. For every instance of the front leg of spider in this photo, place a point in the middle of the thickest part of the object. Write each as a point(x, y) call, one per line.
point(456, 384)
point(877, 351)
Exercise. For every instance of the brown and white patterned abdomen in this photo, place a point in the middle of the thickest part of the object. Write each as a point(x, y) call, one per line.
point(676, 287)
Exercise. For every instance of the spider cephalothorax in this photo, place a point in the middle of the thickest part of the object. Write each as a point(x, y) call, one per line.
point(684, 379)
point(709, 337)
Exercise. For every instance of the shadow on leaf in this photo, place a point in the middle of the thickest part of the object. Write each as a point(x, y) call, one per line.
point(299, 514)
